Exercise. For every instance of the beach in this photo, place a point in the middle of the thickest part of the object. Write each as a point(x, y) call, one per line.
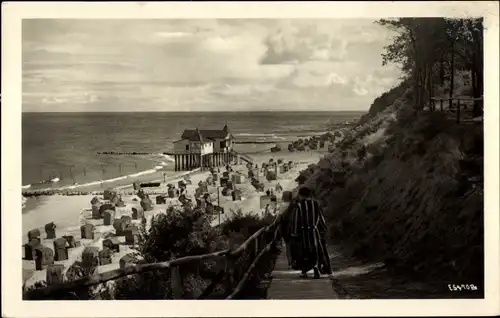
point(70, 212)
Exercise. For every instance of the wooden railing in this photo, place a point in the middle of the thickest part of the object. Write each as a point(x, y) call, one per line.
point(259, 244)
point(460, 102)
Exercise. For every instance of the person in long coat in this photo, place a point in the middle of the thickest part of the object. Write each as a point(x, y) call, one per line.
point(304, 234)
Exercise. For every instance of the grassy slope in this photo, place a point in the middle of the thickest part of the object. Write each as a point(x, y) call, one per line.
point(412, 201)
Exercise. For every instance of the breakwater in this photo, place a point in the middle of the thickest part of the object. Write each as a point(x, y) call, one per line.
point(80, 193)
point(254, 142)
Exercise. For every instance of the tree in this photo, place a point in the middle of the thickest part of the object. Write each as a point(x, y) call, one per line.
point(427, 48)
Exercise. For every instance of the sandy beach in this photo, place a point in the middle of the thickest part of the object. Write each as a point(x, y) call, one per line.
point(70, 212)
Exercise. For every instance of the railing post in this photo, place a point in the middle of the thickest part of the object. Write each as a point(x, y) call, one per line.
point(176, 282)
point(230, 271)
point(256, 242)
point(458, 111)
point(441, 104)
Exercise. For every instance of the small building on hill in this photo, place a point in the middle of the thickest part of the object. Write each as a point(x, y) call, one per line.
point(203, 149)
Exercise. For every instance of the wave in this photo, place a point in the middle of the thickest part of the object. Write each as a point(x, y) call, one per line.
point(167, 157)
point(26, 186)
point(98, 182)
point(260, 136)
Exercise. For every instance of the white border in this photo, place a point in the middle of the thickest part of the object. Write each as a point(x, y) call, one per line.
point(12, 13)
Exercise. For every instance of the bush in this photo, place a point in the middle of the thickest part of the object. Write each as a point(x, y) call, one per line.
point(184, 232)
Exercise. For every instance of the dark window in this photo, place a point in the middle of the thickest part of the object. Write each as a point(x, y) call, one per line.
point(187, 147)
point(222, 144)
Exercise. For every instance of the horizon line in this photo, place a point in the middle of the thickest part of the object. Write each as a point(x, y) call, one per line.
point(195, 111)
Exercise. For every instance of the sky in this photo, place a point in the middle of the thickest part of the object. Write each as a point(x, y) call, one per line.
point(203, 65)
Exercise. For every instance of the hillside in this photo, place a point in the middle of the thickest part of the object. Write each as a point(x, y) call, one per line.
point(412, 195)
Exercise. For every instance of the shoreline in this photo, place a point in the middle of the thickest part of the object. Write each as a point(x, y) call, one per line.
point(246, 147)
point(69, 212)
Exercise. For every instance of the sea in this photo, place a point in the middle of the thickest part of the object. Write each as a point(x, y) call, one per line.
point(62, 149)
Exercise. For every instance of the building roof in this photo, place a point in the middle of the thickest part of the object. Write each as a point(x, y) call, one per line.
point(201, 135)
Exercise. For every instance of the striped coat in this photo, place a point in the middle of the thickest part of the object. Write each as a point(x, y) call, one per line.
point(305, 235)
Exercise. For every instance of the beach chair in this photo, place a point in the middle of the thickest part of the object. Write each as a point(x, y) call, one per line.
point(108, 217)
point(112, 243)
point(44, 256)
point(70, 239)
point(61, 253)
point(119, 226)
point(131, 234)
point(29, 249)
point(128, 260)
point(90, 257)
point(54, 274)
point(87, 231)
point(105, 256)
point(137, 213)
point(34, 234)
point(50, 230)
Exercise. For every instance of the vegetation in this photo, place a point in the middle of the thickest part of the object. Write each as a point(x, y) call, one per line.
point(185, 231)
point(405, 186)
point(430, 51)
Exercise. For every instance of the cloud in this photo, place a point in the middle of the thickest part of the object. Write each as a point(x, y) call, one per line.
point(295, 44)
point(202, 64)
